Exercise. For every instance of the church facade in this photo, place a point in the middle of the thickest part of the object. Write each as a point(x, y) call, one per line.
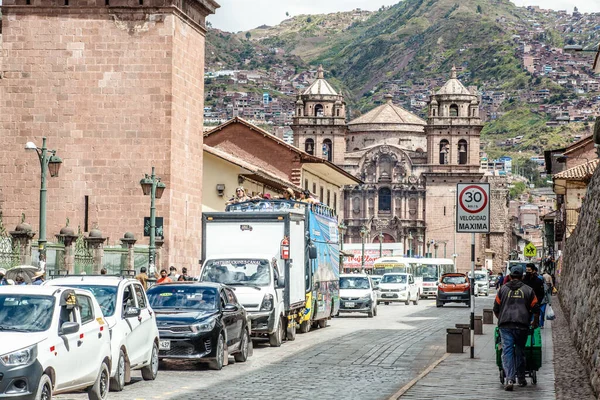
point(409, 168)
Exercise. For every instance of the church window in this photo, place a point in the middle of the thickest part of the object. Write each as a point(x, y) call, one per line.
point(385, 168)
point(335, 202)
point(444, 152)
point(356, 149)
point(321, 198)
point(338, 112)
point(314, 188)
point(385, 199)
point(309, 146)
point(328, 198)
point(327, 150)
point(318, 110)
point(299, 112)
point(454, 110)
point(462, 151)
point(306, 184)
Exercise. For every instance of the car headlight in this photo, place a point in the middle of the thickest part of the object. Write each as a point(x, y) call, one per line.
point(366, 297)
point(267, 303)
point(20, 357)
point(205, 326)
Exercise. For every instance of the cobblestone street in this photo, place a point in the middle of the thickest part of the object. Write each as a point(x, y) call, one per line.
point(360, 357)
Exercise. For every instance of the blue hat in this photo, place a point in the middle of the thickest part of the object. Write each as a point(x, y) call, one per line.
point(516, 271)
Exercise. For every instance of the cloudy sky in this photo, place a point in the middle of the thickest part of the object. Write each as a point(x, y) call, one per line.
point(240, 15)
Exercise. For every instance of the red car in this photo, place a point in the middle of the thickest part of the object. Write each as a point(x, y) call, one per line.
point(453, 287)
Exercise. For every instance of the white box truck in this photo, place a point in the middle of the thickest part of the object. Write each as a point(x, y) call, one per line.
point(279, 258)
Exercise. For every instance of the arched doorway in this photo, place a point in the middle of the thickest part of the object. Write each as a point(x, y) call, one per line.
point(319, 110)
point(387, 238)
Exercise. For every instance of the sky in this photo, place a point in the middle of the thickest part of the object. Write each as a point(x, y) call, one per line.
point(242, 15)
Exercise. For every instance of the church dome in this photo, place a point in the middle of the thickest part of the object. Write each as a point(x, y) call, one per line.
point(320, 86)
point(453, 86)
point(391, 116)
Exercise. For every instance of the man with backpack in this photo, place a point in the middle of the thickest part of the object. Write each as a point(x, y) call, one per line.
point(514, 305)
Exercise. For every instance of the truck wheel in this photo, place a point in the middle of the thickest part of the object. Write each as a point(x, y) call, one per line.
point(305, 326)
point(416, 302)
point(323, 323)
point(291, 331)
point(276, 338)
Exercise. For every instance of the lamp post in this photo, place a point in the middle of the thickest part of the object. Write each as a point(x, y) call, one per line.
point(428, 255)
point(49, 162)
point(435, 247)
point(380, 236)
point(152, 186)
point(342, 228)
point(363, 234)
point(410, 240)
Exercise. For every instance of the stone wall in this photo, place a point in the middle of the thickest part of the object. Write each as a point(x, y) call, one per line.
point(580, 282)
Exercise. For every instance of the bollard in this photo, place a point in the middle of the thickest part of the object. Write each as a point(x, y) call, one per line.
point(466, 333)
point(488, 316)
point(478, 325)
point(454, 340)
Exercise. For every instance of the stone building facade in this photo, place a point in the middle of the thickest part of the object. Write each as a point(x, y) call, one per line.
point(117, 87)
point(410, 168)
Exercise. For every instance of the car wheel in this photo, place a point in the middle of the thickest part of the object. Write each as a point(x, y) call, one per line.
point(242, 356)
point(305, 327)
point(387, 303)
point(416, 302)
point(375, 311)
point(217, 363)
point(102, 385)
point(439, 304)
point(118, 382)
point(44, 390)
point(150, 371)
point(407, 302)
point(276, 338)
point(323, 323)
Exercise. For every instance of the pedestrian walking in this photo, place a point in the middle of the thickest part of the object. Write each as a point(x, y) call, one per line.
point(499, 280)
point(163, 277)
point(514, 306)
point(142, 277)
point(3, 280)
point(38, 278)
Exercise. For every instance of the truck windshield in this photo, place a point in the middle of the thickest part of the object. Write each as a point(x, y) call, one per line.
point(251, 272)
point(25, 313)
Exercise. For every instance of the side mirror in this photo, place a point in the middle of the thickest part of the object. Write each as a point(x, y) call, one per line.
point(375, 287)
point(281, 282)
point(132, 312)
point(312, 252)
point(68, 328)
point(231, 307)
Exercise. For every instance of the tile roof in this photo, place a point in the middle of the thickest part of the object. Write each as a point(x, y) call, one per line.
point(581, 172)
point(453, 86)
point(389, 113)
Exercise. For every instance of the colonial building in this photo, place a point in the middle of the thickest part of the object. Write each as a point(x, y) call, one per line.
point(410, 168)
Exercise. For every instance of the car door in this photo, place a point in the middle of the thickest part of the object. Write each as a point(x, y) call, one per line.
point(238, 315)
point(67, 351)
point(144, 333)
point(228, 319)
point(133, 340)
point(89, 340)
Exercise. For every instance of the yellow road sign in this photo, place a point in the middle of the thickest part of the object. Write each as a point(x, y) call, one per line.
point(530, 250)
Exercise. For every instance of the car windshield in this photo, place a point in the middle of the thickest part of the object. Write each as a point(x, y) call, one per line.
point(480, 277)
point(393, 279)
point(456, 279)
point(106, 296)
point(429, 273)
point(351, 282)
point(25, 313)
point(255, 272)
point(188, 297)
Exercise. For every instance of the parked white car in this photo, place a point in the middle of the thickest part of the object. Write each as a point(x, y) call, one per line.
point(357, 294)
point(481, 284)
point(52, 341)
point(398, 287)
point(131, 321)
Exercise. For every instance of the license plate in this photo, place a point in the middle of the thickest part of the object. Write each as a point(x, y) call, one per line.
point(389, 295)
point(164, 345)
point(454, 298)
point(349, 304)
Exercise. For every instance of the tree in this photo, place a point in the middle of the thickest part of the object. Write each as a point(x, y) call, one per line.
point(287, 14)
point(479, 9)
point(248, 35)
point(309, 20)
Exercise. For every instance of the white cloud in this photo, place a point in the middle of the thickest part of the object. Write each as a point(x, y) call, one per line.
point(241, 15)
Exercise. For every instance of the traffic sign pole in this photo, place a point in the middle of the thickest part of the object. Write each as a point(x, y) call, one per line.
point(472, 295)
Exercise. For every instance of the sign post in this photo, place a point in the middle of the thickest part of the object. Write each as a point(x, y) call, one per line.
point(473, 216)
point(530, 251)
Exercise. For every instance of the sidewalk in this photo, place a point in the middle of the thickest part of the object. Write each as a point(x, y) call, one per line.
point(459, 377)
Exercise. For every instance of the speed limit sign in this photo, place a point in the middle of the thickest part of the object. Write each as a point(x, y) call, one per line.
point(473, 208)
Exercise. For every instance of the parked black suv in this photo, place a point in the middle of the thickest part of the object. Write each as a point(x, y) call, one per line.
point(197, 320)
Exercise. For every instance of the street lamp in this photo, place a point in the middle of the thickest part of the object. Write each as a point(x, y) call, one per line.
point(380, 236)
point(342, 228)
point(363, 234)
point(49, 162)
point(435, 247)
point(410, 240)
point(153, 187)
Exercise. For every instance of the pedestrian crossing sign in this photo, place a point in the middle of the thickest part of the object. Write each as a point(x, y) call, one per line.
point(530, 250)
